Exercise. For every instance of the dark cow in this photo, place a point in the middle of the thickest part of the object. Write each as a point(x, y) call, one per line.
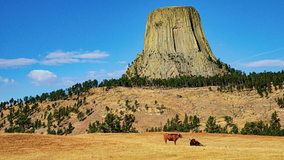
point(194, 142)
point(172, 137)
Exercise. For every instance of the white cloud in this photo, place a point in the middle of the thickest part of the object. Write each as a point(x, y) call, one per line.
point(16, 62)
point(56, 61)
point(120, 62)
point(42, 76)
point(116, 73)
point(92, 61)
point(102, 71)
point(91, 55)
point(96, 74)
point(6, 80)
point(92, 73)
point(60, 57)
point(68, 83)
point(57, 57)
point(264, 63)
point(59, 54)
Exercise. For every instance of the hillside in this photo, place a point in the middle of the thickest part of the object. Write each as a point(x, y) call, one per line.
point(243, 106)
point(139, 146)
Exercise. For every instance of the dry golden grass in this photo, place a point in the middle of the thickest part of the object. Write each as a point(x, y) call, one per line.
point(139, 146)
point(245, 106)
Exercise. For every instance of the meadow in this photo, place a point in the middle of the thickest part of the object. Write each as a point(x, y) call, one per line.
point(139, 146)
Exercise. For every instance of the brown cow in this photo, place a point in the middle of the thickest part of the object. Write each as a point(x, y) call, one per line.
point(172, 137)
point(194, 142)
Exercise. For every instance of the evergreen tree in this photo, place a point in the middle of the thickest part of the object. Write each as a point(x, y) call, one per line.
point(80, 115)
point(23, 122)
point(70, 128)
point(211, 126)
point(93, 127)
point(275, 125)
point(228, 120)
point(249, 129)
point(235, 129)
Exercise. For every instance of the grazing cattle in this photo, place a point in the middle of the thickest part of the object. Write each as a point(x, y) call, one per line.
point(194, 142)
point(172, 137)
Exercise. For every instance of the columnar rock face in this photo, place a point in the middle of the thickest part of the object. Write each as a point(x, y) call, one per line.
point(175, 45)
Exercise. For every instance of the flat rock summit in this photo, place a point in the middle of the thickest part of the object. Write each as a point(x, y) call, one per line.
point(174, 45)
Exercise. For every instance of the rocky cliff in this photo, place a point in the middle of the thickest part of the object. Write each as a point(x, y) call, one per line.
point(174, 45)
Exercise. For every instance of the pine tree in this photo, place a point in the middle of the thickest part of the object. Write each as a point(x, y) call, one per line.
point(80, 116)
point(229, 120)
point(211, 126)
point(275, 125)
point(70, 128)
point(23, 121)
point(235, 129)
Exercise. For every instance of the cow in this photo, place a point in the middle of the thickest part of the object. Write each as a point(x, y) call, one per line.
point(194, 142)
point(172, 137)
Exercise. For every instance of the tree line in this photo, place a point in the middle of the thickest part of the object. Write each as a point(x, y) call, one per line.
point(250, 128)
point(76, 89)
point(112, 124)
point(233, 79)
point(262, 82)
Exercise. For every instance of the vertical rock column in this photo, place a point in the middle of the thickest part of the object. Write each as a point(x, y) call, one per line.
point(174, 45)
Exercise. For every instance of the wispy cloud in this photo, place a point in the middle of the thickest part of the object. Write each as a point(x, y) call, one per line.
point(56, 61)
point(96, 74)
point(116, 73)
point(93, 61)
point(5, 63)
point(60, 57)
point(67, 82)
point(7, 81)
point(57, 57)
point(121, 62)
point(264, 63)
point(257, 55)
point(42, 76)
point(91, 55)
point(102, 73)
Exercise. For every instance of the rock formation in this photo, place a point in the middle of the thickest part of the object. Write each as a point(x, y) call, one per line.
point(174, 45)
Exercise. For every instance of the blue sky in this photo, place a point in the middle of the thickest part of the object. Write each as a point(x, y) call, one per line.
point(49, 45)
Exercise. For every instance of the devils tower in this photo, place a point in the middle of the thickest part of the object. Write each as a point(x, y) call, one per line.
point(174, 45)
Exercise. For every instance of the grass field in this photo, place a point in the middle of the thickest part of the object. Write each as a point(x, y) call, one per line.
point(139, 146)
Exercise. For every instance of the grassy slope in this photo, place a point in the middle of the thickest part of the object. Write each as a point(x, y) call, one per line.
point(244, 106)
point(139, 146)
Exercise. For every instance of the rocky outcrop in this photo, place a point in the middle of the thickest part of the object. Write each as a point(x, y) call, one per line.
point(174, 45)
